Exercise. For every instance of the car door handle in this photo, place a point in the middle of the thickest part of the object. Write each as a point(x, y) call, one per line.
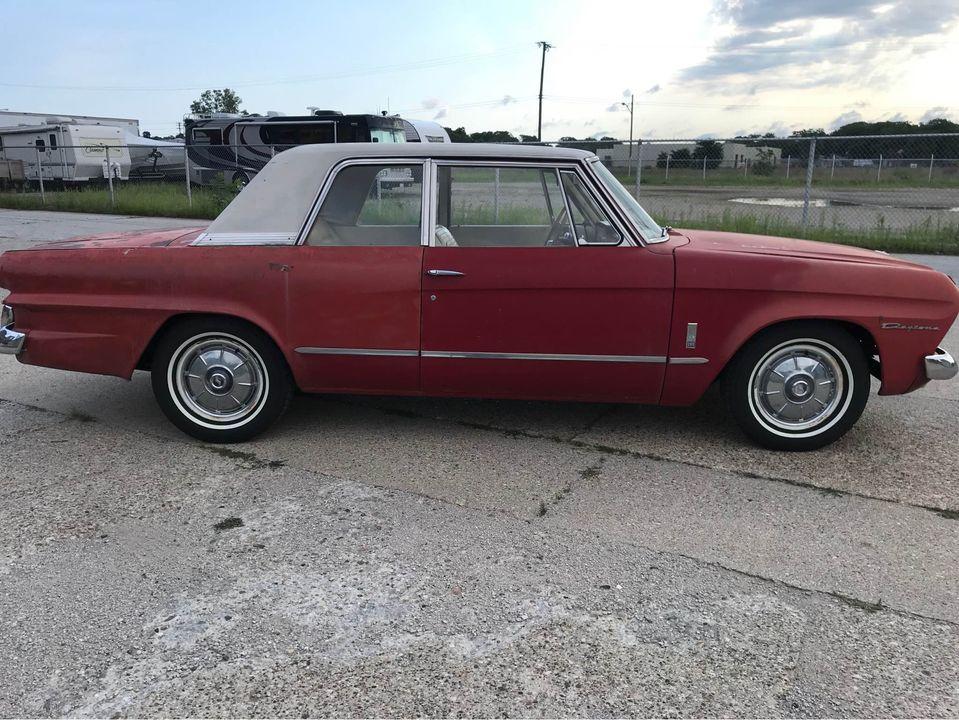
point(444, 273)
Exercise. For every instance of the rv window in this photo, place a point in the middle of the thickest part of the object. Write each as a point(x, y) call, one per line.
point(53, 141)
point(40, 144)
point(211, 136)
point(282, 135)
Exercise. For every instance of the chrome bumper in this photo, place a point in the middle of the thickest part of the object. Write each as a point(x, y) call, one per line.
point(11, 341)
point(940, 365)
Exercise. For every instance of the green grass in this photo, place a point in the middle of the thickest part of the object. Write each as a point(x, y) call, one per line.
point(843, 178)
point(154, 199)
point(927, 237)
point(170, 201)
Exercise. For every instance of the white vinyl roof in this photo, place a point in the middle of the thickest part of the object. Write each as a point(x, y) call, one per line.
point(275, 203)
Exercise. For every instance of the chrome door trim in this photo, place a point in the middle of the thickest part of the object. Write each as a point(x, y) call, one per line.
point(446, 354)
point(335, 170)
point(375, 352)
point(688, 360)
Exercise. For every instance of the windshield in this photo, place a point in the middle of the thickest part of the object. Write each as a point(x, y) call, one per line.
point(649, 228)
point(387, 135)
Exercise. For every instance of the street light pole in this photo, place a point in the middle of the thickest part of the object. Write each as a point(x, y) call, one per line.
point(542, 70)
point(629, 164)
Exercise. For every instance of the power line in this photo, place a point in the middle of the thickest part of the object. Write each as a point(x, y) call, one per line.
point(395, 67)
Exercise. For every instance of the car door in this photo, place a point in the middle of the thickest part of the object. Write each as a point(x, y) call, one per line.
point(532, 290)
point(354, 308)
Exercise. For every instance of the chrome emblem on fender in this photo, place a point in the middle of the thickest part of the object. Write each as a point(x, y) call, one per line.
point(904, 326)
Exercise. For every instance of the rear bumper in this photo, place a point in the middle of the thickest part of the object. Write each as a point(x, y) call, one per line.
point(940, 365)
point(11, 341)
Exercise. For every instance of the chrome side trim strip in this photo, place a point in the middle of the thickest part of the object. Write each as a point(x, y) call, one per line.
point(357, 351)
point(688, 360)
point(245, 239)
point(543, 356)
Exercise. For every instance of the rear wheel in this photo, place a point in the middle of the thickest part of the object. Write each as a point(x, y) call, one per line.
point(220, 379)
point(799, 386)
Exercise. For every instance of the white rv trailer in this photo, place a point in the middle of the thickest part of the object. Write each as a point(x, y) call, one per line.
point(9, 118)
point(67, 152)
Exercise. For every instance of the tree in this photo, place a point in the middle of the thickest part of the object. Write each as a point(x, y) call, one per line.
point(528, 138)
point(661, 159)
point(765, 162)
point(458, 135)
point(217, 101)
point(567, 138)
point(493, 136)
point(680, 158)
point(607, 138)
point(710, 151)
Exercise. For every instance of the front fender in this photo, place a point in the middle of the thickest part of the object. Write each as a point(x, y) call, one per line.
point(732, 297)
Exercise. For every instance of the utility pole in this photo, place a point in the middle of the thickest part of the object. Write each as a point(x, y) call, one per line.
point(542, 69)
point(629, 107)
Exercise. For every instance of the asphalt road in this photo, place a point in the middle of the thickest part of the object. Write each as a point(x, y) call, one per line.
point(382, 556)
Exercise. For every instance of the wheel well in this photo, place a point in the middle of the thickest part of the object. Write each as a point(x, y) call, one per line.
point(146, 357)
point(861, 334)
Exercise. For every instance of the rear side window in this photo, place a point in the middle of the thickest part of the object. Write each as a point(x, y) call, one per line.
point(371, 205)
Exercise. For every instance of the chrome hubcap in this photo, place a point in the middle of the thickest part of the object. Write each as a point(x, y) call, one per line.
point(797, 387)
point(219, 378)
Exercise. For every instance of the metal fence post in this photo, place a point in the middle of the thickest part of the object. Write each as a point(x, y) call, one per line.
point(789, 159)
point(496, 198)
point(113, 200)
point(43, 197)
point(879, 170)
point(639, 166)
point(932, 159)
point(704, 168)
point(186, 167)
point(810, 165)
point(833, 170)
point(667, 167)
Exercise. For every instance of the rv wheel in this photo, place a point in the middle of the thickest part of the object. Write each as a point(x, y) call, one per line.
point(241, 179)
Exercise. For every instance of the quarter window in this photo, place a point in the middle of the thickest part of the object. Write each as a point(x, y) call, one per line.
point(481, 206)
point(371, 205)
point(591, 223)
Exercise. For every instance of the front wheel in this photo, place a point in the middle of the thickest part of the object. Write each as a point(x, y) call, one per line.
point(220, 379)
point(799, 386)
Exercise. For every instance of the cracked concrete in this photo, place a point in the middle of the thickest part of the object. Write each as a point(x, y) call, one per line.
point(384, 556)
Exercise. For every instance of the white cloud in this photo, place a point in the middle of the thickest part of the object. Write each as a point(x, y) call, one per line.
point(431, 104)
point(936, 112)
point(440, 115)
point(844, 119)
point(654, 89)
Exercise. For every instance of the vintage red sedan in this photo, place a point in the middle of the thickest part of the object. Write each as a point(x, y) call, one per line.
point(481, 271)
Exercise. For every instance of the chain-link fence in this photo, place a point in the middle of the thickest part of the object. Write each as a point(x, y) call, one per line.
point(886, 191)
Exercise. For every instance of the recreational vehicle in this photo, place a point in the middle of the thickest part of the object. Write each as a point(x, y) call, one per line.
point(67, 152)
point(236, 147)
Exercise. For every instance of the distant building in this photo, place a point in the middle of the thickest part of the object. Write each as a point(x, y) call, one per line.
point(735, 154)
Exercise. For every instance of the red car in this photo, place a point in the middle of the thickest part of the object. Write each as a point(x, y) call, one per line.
point(479, 271)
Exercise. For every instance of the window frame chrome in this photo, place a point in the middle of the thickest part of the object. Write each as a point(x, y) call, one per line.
point(600, 187)
point(331, 176)
point(628, 238)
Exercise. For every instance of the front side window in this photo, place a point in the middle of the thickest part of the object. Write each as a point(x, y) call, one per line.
point(371, 205)
point(650, 229)
point(480, 206)
point(590, 222)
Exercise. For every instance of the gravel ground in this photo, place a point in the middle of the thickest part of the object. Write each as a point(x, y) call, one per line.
point(384, 556)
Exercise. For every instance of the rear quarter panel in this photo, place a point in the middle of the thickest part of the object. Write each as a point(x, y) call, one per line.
point(733, 296)
point(96, 309)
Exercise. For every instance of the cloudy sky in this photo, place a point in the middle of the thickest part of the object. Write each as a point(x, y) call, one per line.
point(695, 66)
